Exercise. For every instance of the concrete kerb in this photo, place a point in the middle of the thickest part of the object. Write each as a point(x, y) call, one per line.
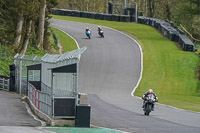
point(46, 118)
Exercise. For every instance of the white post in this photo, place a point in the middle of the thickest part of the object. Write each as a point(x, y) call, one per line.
point(136, 13)
point(76, 81)
point(20, 77)
point(124, 4)
point(8, 85)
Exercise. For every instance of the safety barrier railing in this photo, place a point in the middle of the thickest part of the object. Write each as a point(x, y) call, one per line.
point(41, 100)
point(4, 84)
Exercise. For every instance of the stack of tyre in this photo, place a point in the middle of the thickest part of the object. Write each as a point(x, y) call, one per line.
point(166, 28)
point(170, 31)
point(93, 15)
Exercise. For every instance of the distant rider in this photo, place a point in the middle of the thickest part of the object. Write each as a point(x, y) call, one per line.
point(150, 91)
point(99, 29)
point(87, 30)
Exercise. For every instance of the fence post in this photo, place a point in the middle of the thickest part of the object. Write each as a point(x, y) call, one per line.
point(20, 75)
point(8, 84)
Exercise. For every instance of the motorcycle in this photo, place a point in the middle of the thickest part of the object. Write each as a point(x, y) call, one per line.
point(149, 103)
point(88, 34)
point(101, 33)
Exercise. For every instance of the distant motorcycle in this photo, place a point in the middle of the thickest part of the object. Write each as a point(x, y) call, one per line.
point(149, 103)
point(88, 34)
point(101, 34)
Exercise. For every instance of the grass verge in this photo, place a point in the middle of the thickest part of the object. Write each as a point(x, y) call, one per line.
point(67, 42)
point(169, 71)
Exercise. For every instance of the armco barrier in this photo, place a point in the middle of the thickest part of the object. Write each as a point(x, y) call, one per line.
point(166, 28)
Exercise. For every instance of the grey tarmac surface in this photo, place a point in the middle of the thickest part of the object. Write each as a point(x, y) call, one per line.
point(14, 115)
point(22, 129)
point(109, 71)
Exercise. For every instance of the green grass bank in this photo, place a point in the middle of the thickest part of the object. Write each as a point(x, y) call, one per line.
point(169, 71)
point(66, 41)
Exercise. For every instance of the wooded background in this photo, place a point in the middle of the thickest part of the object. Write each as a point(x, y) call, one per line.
point(24, 22)
point(185, 12)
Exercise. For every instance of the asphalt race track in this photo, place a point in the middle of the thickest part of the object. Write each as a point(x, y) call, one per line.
point(109, 70)
point(14, 117)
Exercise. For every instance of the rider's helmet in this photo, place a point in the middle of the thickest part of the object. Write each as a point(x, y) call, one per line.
point(99, 27)
point(150, 91)
point(87, 28)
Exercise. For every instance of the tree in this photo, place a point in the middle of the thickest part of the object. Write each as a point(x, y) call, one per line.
point(193, 7)
point(26, 38)
point(31, 11)
point(18, 31)
point(150, 6)
point(40, 34)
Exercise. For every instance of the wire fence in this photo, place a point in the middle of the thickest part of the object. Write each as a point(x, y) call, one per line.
point(21, 63)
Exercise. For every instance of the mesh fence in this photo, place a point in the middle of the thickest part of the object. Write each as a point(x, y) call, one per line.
point(21, 63)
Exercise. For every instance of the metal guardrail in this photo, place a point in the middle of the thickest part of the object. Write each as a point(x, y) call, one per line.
point(41, 100)
point(55, 37)
point(54, 107)
point(4, 84)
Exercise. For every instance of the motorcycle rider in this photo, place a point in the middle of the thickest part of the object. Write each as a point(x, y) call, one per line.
point(87, 30)
point(150, 91)
point(99, 30)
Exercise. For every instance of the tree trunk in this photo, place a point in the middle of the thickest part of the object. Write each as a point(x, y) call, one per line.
point(167, 10)
point(40, 35)
point(26, 39)
point(18, 31)
point(105, 6)
point(150, 8)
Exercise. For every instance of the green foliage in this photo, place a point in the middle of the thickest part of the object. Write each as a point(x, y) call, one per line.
point(169, 71)
point(6, 59)
point(32, 50)
point(84, 5)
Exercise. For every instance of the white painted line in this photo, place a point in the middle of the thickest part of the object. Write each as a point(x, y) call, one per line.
point(141, 61)
point(110, 129)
